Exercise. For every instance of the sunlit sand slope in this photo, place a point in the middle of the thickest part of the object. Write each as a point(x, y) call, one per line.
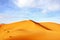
point(30, 30)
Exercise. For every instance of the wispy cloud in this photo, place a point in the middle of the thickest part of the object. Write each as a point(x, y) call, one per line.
point(1, 16)
point(24, 3)
point(45, 5)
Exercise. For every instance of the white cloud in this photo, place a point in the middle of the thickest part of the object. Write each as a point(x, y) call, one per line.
point(53, 7)
point(1, 17)
point(45, 5)
point(23, 3)
point(44, 11)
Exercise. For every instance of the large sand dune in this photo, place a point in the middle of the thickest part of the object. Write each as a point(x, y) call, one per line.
point(30, 30)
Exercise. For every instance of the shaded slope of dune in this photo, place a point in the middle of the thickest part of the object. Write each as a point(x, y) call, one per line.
point(41, 25)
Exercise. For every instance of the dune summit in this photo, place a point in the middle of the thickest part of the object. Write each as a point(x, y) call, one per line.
point(30, 30)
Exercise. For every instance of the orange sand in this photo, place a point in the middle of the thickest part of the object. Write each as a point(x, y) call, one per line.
point(30, 30)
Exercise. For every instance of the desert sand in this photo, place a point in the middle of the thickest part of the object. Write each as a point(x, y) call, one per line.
point(30, 30)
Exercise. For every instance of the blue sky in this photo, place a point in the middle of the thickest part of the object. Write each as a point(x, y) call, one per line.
point(37, 10)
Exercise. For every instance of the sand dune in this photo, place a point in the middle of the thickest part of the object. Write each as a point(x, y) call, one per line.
point(30, 30)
